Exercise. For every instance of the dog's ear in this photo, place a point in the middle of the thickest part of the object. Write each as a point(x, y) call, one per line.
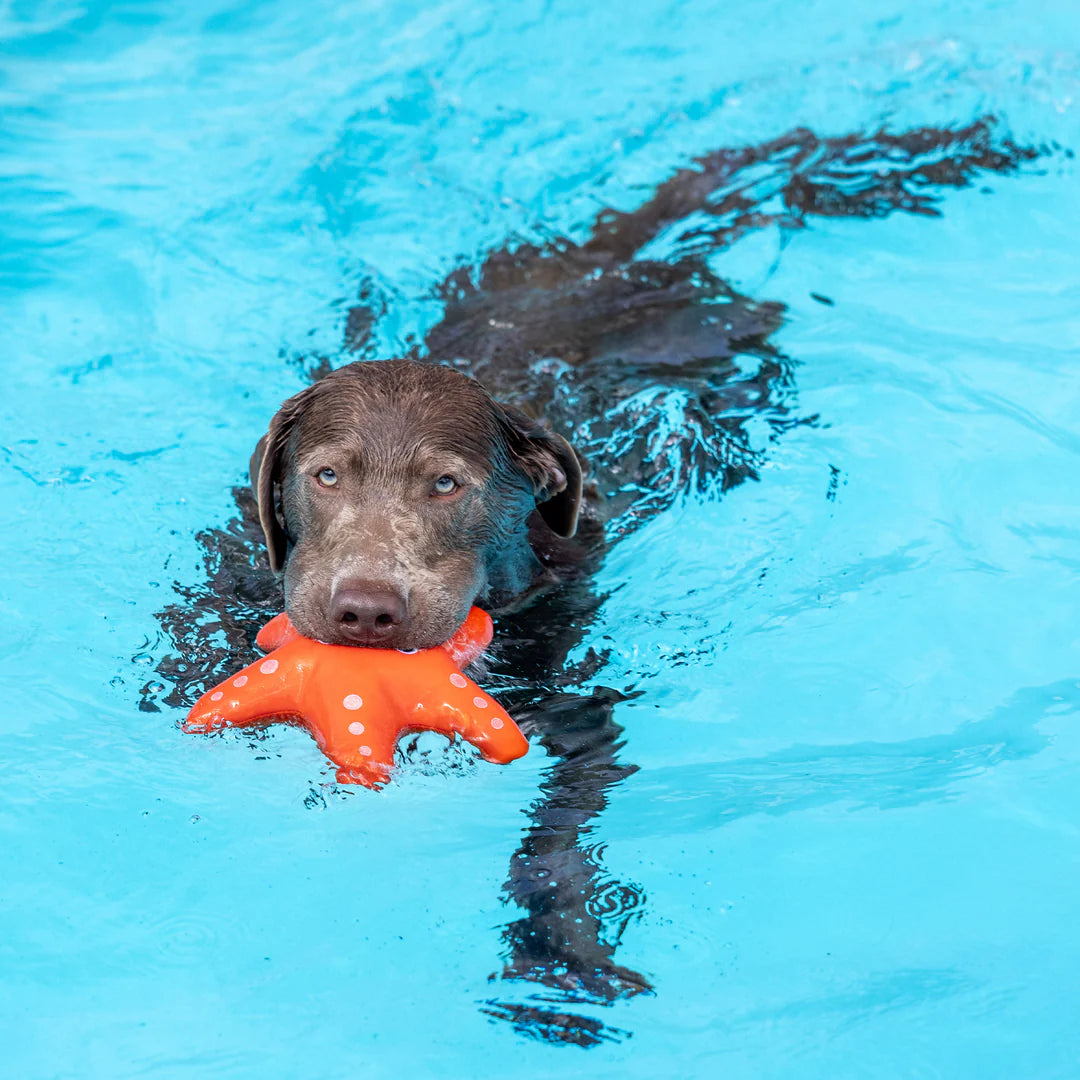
point(552, 465)
point(266, 476)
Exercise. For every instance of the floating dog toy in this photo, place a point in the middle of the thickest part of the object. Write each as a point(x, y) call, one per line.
point(356, 702)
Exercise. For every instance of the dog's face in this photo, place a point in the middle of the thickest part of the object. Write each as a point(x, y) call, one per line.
point(394, 494)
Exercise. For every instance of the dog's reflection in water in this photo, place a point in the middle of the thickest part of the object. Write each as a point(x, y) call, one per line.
point(652, 368)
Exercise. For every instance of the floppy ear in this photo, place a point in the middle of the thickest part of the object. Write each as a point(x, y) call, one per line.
point(265, 478)
point(552, 465)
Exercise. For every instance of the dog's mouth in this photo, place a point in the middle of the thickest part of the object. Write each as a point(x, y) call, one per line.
point(381, 630)
point(396, 639)
point(378, 610)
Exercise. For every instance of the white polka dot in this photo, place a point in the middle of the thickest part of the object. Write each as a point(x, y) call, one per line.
point(459, 680)
point(479, 702)
point(217, 695)
point(268, 667)
point(366, 751)
point(356, 727)
point(240, 681)
point(353, 702)
point(408, 652)
point(496, 723)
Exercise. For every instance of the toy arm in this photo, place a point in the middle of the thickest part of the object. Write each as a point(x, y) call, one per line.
point(277, 632)
point(470, 639)
point(271, 687)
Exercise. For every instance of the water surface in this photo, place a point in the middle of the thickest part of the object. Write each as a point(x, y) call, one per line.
point(850, 845)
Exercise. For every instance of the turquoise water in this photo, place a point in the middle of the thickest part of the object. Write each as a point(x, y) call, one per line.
point(851, 844)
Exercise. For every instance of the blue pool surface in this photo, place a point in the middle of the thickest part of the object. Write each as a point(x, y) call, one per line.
point(854, 830)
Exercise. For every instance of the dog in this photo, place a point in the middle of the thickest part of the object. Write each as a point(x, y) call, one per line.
point(395, 494)
point(570, 391)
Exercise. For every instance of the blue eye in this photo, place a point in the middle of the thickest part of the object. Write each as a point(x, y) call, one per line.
point(327, 477)
point(445, 485)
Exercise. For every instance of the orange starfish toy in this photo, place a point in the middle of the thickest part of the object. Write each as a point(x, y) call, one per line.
point(356, 702)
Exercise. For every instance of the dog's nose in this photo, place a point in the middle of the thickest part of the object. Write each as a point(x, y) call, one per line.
point(366, 612)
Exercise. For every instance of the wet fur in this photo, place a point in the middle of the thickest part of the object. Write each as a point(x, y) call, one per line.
point(653, 368)
point(389, 429)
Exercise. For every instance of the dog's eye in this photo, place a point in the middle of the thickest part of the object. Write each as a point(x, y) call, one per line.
point(327, 477)
point(445, 485)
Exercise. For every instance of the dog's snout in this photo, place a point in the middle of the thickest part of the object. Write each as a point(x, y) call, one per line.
point(366, 612)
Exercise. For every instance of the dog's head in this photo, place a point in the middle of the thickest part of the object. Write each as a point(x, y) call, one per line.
point(393, 494)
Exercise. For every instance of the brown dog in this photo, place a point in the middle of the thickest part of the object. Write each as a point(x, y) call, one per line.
point(395, 494)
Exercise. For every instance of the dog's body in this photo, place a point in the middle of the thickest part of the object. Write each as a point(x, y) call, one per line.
point(400, 492)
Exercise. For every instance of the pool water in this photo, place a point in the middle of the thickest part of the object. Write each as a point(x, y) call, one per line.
point(839, 834)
